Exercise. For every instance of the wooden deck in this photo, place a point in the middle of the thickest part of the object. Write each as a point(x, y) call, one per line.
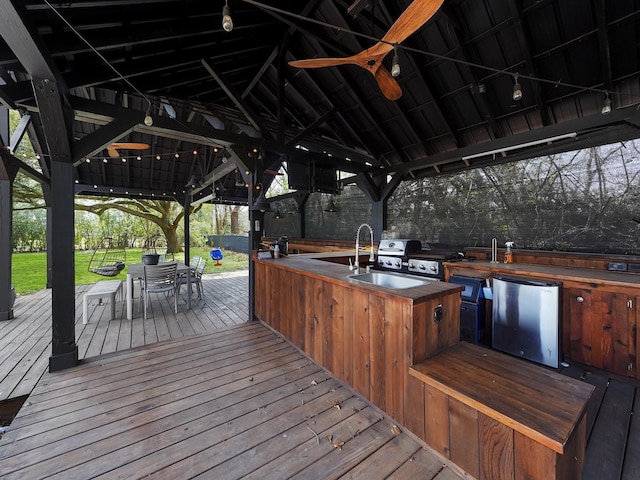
point(25, 341)
point(237, 403)
point(205, 394)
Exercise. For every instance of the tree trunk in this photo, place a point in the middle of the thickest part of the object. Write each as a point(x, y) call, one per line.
point(234, 222)
point(171, 234)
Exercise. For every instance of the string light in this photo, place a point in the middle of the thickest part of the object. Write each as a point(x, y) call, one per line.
point(227, 21)
point(517, 88)
point(606, 108)
point(148, 119)
point(395, 64)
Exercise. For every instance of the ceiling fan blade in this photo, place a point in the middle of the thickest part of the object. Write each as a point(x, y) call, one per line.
point(323, 62)
point(414, 17)
point(388, 85)
point(130, 146)
point(113, 153)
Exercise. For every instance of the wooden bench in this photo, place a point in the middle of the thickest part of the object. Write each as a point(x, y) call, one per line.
point(103, 289)
point(500, 417)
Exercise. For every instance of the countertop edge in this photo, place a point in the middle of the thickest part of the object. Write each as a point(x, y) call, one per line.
point(317, 266)
point(552, 272)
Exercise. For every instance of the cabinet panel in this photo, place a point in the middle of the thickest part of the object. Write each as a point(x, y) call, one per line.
point(635, 335)
point(619, 333)
point(577, 304)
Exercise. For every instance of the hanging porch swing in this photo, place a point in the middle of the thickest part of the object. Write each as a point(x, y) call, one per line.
point(107, 260)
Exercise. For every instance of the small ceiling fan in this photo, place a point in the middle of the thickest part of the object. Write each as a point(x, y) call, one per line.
point(114, 147)
point(414, 17)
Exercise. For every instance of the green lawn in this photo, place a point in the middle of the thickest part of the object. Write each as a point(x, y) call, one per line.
point(29, 270)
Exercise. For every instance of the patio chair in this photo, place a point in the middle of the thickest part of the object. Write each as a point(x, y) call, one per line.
point(193, 264)
point(196, 275)
point(159, 279)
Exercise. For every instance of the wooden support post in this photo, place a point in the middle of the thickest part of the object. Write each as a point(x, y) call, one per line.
point(187, 237)
point(64, 351)
point(6, 209)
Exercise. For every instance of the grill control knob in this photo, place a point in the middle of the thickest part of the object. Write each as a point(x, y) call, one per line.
point(422, 267)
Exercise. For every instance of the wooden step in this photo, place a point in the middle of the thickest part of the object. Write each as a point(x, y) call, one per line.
point(474, 391)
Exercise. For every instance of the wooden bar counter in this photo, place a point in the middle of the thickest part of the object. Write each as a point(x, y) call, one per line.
point(367, 336)
point(372, 337)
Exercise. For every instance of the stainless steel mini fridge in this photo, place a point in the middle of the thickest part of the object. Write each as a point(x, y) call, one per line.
point(526, 318)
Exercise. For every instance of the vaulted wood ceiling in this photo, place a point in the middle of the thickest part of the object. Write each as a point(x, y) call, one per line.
point(232, 97)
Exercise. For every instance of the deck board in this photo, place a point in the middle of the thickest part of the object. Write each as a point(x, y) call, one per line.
point(631, 467)
point(606, 446)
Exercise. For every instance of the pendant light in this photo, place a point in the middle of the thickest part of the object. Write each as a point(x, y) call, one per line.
point(606, 108)
point(227, 21)
point(395, 64)
point(148, 119)
point(517, 88)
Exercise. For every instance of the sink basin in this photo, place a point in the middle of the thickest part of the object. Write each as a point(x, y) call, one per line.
point(388, 280)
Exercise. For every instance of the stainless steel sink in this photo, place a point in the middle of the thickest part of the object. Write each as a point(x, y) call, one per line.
point(388, 280)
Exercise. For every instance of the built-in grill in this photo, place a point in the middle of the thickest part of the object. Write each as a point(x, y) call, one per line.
point(407, 256)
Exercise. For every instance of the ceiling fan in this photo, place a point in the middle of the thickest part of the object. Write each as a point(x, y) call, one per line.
point(414, 17)
point(114, 147)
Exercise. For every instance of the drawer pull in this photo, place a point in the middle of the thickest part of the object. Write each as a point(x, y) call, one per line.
point(580, 298)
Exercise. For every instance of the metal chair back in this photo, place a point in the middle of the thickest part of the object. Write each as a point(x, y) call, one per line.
point(160, 279)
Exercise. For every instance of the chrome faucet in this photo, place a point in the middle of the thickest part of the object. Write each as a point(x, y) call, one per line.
point(356, 265)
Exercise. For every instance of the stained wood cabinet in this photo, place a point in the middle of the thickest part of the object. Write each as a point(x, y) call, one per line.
point(367, 340)
point(602, 326)
point(599, 318)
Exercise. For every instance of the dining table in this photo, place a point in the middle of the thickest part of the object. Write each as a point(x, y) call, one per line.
point(135, 271)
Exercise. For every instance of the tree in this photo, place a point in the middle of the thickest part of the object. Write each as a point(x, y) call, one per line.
point(167, 215)
point(27, 195)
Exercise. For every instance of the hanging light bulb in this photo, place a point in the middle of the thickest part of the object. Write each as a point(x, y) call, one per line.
point(227, 21)
point(606, 108)
point(517, 88)
point(395, 64)
point(148, 119)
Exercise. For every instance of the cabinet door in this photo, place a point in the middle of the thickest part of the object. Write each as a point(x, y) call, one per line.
point(619, 333)
point(577, 321)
